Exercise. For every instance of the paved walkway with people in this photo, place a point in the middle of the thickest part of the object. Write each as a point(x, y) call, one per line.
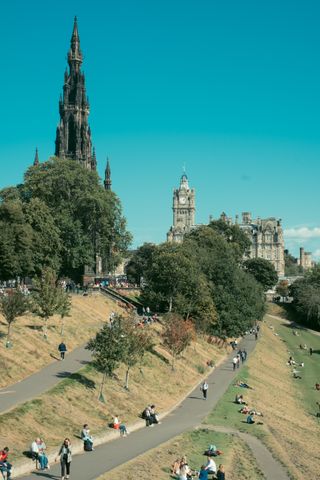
point(187, 415)
point(40, 382)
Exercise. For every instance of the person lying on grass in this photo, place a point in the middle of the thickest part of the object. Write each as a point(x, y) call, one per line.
point(240, 383)
point(245, 410)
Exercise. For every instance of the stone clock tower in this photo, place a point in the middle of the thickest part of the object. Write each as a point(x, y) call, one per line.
point(184, 210)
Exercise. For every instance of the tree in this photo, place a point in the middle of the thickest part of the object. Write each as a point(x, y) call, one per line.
point(306, 297)
point(108, 349)
point(137, 343)
point(291, 265)
point(237, 238)
point(140, 263)
point(89, 218)
point(282, 288)
point(13, 306)
point(47, 298)
point(177, 335)
point(16, 242)
point(263, 271)
point(64, 310)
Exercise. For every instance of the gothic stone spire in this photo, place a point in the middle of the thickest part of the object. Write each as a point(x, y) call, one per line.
point(36, 158)
point(73, 137)
point(107, 176)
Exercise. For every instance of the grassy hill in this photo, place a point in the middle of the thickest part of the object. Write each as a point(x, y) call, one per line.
point(86, 316)
point(74, 401)
point(291, 429)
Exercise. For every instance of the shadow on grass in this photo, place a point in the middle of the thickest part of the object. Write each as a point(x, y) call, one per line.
point(159, 355)
point(35, 327)
point(78, 377)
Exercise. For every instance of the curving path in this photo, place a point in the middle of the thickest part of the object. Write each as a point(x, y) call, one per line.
point(188, 415)
point(41, 381)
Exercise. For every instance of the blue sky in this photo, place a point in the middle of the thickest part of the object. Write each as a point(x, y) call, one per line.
point(230, 89)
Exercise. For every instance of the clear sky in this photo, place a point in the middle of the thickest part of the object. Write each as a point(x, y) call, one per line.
point(229, 88)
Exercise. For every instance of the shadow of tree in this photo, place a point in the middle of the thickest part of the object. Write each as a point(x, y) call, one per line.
point(83, 380)
point(159, 355)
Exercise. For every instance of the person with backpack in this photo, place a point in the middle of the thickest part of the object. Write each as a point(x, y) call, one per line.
point(87, 438)
point(65, 455)
point(204, 388)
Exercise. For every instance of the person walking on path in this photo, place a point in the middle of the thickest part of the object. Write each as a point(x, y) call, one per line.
point(256, 335)
point(311, 351)
point(234, 362)
point(204, 389)
point(65, 455)
point(62, 349)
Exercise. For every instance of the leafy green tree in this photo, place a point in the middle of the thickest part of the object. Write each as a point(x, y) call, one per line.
point(263, 271)
point(47, 297)
point(108, 349)
point(136, 343)
point(237, 238)
point(140, 263)
point(177, 335)
point(64, 310)
point(16, 242)
point(13, 306)
point(306, 297)
point(77, 220)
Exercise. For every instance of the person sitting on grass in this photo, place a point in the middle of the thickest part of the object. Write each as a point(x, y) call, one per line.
point(221, 473)
point(317, 386)
point(211, 466)
point(203, 474)
point(295, 374)
point(185, 472)
point(5, 466)
point(245, 410)
point(250, 419)
point(239, 400)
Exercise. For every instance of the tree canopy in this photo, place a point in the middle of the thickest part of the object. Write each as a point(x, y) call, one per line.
point(306, 297)
point(263, 271)
point(203, 280)
point(62, 218)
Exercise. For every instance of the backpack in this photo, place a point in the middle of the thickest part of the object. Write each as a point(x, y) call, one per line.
point(87, 445)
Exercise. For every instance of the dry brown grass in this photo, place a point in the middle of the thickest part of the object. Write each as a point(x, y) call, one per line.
point(155, 465)
point(73, 402)
point(31, 352)
point(292, 433)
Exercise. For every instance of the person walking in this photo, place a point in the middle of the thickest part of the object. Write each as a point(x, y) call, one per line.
point(65, 455)
point(256, 335)
point(62, 349)
point(238, 360)
point(234, 362)
point(311, 351)
point(204, 389)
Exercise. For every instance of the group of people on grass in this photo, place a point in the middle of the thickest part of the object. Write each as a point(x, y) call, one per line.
point(246, 410)
point(181, 470)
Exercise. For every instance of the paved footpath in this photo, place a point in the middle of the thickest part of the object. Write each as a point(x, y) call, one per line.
point(188, 415)
point(40, 382)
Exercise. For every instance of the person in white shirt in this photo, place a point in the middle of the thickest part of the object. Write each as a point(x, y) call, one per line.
point(211, 466)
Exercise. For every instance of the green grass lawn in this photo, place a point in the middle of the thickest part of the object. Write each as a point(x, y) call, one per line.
point(227, 413)
point(310, 373)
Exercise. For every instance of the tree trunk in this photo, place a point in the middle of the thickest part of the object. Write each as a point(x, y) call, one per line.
point(172, 364)
point(62, 327)
point(45, 329)
point(100, 397)
point(127, 379)
point(170, 304)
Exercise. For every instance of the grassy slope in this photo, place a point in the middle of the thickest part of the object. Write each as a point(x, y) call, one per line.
point(63, 410)
point(87, 314)
point(290, 428)
point(238, 461)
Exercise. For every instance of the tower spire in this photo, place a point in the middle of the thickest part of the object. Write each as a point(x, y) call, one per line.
point(107, 176)
point(36, 158)
point(73, 137)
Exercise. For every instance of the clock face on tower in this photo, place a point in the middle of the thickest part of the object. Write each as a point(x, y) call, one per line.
point(183, 200)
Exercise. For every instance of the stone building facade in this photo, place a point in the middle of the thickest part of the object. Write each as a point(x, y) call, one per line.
point(305, 259)
point(184, 210)
point(266, 236)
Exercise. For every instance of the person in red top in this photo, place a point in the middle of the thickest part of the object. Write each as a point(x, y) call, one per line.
point(5, 466)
